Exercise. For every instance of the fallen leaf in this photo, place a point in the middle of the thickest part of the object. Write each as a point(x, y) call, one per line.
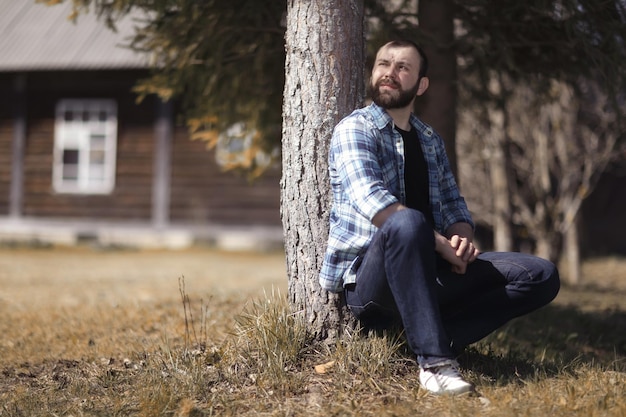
point(325, 367)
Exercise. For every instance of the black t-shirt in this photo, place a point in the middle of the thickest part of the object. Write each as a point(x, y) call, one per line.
point(416, 174)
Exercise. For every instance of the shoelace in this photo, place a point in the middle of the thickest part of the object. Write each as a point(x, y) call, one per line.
point(449, 372)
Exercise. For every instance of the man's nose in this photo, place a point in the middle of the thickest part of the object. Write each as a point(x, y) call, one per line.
point(391, 71)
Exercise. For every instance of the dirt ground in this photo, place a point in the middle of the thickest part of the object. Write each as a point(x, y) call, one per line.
point(83, 276)
point(89, 331)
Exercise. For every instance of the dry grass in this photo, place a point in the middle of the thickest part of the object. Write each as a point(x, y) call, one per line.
point(87, 333)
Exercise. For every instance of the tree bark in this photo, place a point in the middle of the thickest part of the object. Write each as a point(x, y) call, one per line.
point(325, 50)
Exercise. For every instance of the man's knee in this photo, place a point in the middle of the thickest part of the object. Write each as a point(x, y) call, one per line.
point(551, 281)
point(409, 226)
point(544, 278)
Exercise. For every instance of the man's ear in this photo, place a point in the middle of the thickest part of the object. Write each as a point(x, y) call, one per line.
point(423, 86)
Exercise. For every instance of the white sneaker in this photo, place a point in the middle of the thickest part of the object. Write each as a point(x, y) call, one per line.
point(444, 379)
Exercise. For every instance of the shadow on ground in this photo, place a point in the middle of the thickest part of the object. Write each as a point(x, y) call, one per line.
point(549, 340)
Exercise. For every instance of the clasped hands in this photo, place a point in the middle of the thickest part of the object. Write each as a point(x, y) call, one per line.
point(459, 251)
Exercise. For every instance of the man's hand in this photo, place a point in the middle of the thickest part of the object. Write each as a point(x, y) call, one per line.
point(458, 249)
point(465, 248)
point(448, 252)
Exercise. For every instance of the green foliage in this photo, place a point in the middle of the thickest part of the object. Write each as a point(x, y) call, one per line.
point(551, 39)
point(547, 39)
point(224, 60)
point(221, 58)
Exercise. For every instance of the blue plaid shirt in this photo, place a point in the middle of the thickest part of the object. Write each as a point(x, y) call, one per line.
point(366, 164)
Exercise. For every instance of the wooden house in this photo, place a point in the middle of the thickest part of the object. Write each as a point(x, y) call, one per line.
point(81, 160)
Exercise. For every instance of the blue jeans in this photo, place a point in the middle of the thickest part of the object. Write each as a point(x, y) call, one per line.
point(402, 281)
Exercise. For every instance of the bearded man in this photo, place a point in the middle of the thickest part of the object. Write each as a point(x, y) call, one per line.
point(401, 244)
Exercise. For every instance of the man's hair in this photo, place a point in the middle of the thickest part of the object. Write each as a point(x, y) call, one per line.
point(403, 43)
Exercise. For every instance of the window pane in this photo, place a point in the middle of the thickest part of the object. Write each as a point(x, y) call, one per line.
point(68, 116)
point(97, 142)
point(103, 116)
point(96, 157)
point(70, 172)
point(70, 156)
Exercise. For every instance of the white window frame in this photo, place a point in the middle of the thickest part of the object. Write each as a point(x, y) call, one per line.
point(85, 146)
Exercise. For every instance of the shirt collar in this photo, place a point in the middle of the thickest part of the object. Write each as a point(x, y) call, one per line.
point(379, 116)
point(381, 119)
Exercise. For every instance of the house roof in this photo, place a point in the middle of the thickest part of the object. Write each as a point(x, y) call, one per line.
point(36, 37)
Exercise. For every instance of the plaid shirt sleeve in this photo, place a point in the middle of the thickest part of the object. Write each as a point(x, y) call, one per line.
point(357, 176)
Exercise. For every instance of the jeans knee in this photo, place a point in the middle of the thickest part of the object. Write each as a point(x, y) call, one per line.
point(409, 227)
point(552, 281)
point(547, 281)
point(528, 274)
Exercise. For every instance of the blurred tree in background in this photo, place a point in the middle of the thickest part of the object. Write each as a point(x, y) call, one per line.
point(544, 89)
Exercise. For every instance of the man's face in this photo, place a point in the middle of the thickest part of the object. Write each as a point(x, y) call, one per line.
point(395, 77)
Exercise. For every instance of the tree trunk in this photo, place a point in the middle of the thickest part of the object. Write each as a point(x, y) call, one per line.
point(502, 231)
point(324, 82)
point(498, 171)
point(544, 248)
point(572, 254)
point(438, 105)
point(547, 244)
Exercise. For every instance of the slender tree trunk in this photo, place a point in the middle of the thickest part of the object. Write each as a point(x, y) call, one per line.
point(544, 248)
point(502, 232)
point(438, 106)
point(548, 243)
point(572, 254)
point(498, 171)
point(324, 82)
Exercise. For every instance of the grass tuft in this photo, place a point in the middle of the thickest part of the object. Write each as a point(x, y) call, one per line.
point(371, 354)
point(269, 345)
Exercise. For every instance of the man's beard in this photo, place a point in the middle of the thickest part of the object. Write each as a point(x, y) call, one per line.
point(388, 101)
